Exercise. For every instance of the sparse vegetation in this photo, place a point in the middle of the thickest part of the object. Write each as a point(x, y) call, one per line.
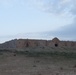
point(34, 62)
point(32, 52)
point(74, 66)
point(61, 68)
point(34, 65)
point(51, 53)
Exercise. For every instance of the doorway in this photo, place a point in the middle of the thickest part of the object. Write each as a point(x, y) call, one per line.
point(56, 45)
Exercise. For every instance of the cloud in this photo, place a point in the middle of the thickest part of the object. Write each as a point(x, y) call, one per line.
point(57, 7)
point(67, 32)
point(51, 6)
point(65, 8)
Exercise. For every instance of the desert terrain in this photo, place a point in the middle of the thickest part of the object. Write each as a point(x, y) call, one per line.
point(38, 63)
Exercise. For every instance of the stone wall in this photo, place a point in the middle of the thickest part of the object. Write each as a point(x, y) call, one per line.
point(9, 44)
point(25, 43)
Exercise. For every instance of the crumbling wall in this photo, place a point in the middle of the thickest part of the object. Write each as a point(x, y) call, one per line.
point(9, 44)
point(68, 44)
point(21, 43)
point(25, 43)
point(54, 42)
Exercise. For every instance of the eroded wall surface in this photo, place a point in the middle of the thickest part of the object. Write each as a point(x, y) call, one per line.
point(25, 43)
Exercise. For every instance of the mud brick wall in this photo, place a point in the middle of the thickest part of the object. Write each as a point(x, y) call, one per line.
point(25, 43)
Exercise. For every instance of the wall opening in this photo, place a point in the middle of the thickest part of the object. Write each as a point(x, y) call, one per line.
point(56, 45)
point(27, 45)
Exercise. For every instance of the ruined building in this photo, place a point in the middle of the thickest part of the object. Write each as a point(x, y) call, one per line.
point(25, 43)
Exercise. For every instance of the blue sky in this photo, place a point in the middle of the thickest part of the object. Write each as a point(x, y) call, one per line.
point(40, 19)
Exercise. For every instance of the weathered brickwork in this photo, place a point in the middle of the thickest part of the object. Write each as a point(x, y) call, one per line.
point(24, 43)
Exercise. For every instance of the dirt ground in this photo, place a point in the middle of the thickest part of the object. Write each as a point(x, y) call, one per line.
point(44, 65)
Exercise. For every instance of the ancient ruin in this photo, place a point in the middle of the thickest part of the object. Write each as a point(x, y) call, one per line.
point(25, 43)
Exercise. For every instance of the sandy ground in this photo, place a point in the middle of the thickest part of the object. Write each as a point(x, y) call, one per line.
point(44, 65)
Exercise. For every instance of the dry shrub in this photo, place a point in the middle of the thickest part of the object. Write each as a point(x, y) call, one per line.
point(74, 66)
point(61, 68)
point(34, 65)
